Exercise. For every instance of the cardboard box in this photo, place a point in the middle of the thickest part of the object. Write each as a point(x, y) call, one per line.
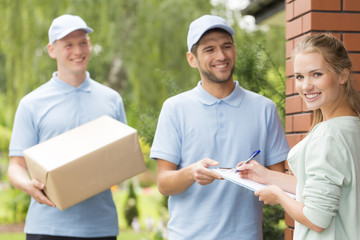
point(86, 160)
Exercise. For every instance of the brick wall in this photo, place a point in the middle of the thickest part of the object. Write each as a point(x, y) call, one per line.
point(306, 17)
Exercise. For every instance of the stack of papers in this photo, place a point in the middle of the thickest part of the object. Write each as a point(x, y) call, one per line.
point(232, 176)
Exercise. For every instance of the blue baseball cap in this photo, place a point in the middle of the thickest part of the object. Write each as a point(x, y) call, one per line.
point(65, 24)
point(201, 25)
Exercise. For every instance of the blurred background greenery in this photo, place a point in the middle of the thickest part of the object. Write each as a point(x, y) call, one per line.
point(139, 49)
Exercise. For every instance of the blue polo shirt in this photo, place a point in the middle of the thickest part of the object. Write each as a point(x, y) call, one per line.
point(195, 125)
point(54, 108)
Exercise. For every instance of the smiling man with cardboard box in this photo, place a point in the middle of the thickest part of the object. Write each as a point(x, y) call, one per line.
point(70, 99)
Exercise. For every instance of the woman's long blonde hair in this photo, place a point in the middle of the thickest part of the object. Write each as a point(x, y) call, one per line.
point(337, 58)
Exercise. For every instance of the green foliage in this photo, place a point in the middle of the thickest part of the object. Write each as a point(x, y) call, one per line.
point(146, 120)
point(150, 163)
point(130, 208)
point(272, 229)
point(23, 32)
point(12, 236)
point(257, 71)
point(5, 135)
point(158, 235)
point(165, 201)
point(15, 204)
point(155, 58)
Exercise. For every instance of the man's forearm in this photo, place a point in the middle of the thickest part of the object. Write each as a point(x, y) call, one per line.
point(171, 182)
point(17, 172)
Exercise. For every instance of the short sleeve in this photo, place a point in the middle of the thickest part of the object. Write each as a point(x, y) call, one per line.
point(24, 132)
point(325, 169)
point(277, 146)
point(121, 111)
point(167, 143)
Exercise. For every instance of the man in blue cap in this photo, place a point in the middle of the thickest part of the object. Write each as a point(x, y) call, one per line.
point(218, 123)
point(71, 98)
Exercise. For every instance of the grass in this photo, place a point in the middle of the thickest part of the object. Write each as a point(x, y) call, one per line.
point(12, 236)
point(149, 205)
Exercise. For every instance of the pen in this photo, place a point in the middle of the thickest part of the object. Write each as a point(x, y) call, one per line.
point(252, 156)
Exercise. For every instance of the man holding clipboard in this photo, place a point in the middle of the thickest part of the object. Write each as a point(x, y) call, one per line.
point(218, 123)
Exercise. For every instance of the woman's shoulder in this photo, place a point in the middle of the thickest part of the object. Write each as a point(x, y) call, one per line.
point(338, 129)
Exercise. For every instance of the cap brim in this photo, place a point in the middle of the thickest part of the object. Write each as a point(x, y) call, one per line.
point(203, 31)
point(68, 31)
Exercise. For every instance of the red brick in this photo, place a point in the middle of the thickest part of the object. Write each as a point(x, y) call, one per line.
point(289, 123)
point(352, 41)
point(293, 104)
point(294, 28)
point(289, 48)
point(293, 139)
point(304, 107)
point(289, 11)
point(289, 86)
point(355, 59)
point(306, 24)
point(356, 81)
point(289, 68)
point(351, 5)
point(288, 233)
point(302, 122)
point(288, 220)
point(326, 5)
point(301, 7)
point(304, 6)
point(324, 21)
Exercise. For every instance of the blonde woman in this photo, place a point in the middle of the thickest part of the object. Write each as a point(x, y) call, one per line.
point(326, 164)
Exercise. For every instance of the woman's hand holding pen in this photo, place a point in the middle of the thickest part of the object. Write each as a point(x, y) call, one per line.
point(272, 194)
point(253, 171)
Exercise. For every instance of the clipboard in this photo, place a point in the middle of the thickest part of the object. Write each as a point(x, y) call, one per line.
point(230, 175)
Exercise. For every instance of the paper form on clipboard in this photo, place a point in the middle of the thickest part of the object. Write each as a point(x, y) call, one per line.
point(232, 176)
